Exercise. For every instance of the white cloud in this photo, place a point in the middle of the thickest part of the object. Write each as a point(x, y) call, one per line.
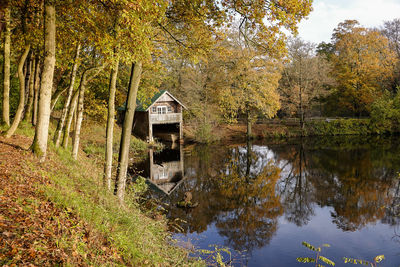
point(328, 13)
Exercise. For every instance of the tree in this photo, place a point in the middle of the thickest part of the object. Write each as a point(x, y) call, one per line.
point(81, 94)
point(123, 158)
point(39, 146)
point(305, 79)
point(61, 122)
point(391, 30)
point(251, 87)
point(6, 66)
point(363, 66)
point(21, 103)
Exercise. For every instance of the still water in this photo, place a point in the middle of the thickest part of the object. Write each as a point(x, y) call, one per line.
point(262, 199)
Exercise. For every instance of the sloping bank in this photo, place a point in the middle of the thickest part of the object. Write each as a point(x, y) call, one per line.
point(58, 213)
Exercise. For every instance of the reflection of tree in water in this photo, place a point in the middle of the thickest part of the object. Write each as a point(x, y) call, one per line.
point(243, 193)
point(356, 182)
point(296, 190)
point(251, 201)
point(236, 189)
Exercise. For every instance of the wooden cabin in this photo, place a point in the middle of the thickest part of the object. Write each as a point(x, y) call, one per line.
point(160, 118)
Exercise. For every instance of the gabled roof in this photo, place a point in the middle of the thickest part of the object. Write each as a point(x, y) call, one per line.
point(143, 107)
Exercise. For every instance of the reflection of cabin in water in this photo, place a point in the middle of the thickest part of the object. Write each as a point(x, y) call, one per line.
point(161, 117)
point(164, 169)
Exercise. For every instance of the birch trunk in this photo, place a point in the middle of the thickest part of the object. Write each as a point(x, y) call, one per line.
point(110, 126)
point(28, 114)
point(82, 87)
point(55, 98)
point(39, 146)
point(6, 67)
point(70, 116)
point(36, 92)
point(20, 109)
point(61, 122)
point(123, 158)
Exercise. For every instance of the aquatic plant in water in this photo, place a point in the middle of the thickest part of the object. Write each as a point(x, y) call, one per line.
point(317, 256)
point(374, 263)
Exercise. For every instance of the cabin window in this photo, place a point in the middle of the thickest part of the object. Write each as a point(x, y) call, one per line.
point(161, 109)
point(169, 109)
point(154, 109)
point(164, 173)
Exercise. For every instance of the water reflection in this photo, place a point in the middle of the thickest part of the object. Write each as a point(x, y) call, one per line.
point(244, 191)
point(163, 169)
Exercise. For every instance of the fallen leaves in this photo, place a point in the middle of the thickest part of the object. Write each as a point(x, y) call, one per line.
point(34, 231)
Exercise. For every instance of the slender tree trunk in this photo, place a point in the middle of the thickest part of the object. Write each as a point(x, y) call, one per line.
point(110, 125)
point(20, 109)
point(248, 125)
point(82, 87)
point(28, 114)
point(6, 66)
point(61, 122)
point(39, 146)
point(123, 159)
point(36, 91)
point(55, 98)
point(70, 116)
point(28, 68)
point(301, 110)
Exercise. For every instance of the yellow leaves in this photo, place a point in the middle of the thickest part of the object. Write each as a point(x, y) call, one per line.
point(364, 64)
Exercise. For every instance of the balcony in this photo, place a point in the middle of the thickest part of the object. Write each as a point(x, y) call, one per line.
point(165, 118)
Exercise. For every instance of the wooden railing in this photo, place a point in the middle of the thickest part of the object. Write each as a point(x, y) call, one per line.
point(166, 118)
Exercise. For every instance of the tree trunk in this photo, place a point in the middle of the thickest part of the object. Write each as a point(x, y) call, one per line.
point(55, 98)
point(28, 114)
point(301, 111)
point(6, 69)
point(36, 91)
point(28, 68)
point(84, 81)
point(61, 122)
point(20, 109)
point(123, 158)
point(110, 125)
point(71, 112)
point(248, 135)
point(39, 146)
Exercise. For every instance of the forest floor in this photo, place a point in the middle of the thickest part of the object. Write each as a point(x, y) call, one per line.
point(33, 229)
point(59, 213)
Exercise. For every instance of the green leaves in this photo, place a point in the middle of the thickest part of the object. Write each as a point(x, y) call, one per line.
point(326, 260)
point(310, 247)
point(355, 261)
point(317, 257)
point(305, 260)
point(377, 259)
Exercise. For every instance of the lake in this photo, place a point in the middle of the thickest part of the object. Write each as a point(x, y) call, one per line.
point(262, 199)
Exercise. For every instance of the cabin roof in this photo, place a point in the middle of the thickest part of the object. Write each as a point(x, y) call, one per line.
point(140, 106)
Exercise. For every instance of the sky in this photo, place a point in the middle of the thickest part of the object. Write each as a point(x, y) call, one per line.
point(327, 14)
